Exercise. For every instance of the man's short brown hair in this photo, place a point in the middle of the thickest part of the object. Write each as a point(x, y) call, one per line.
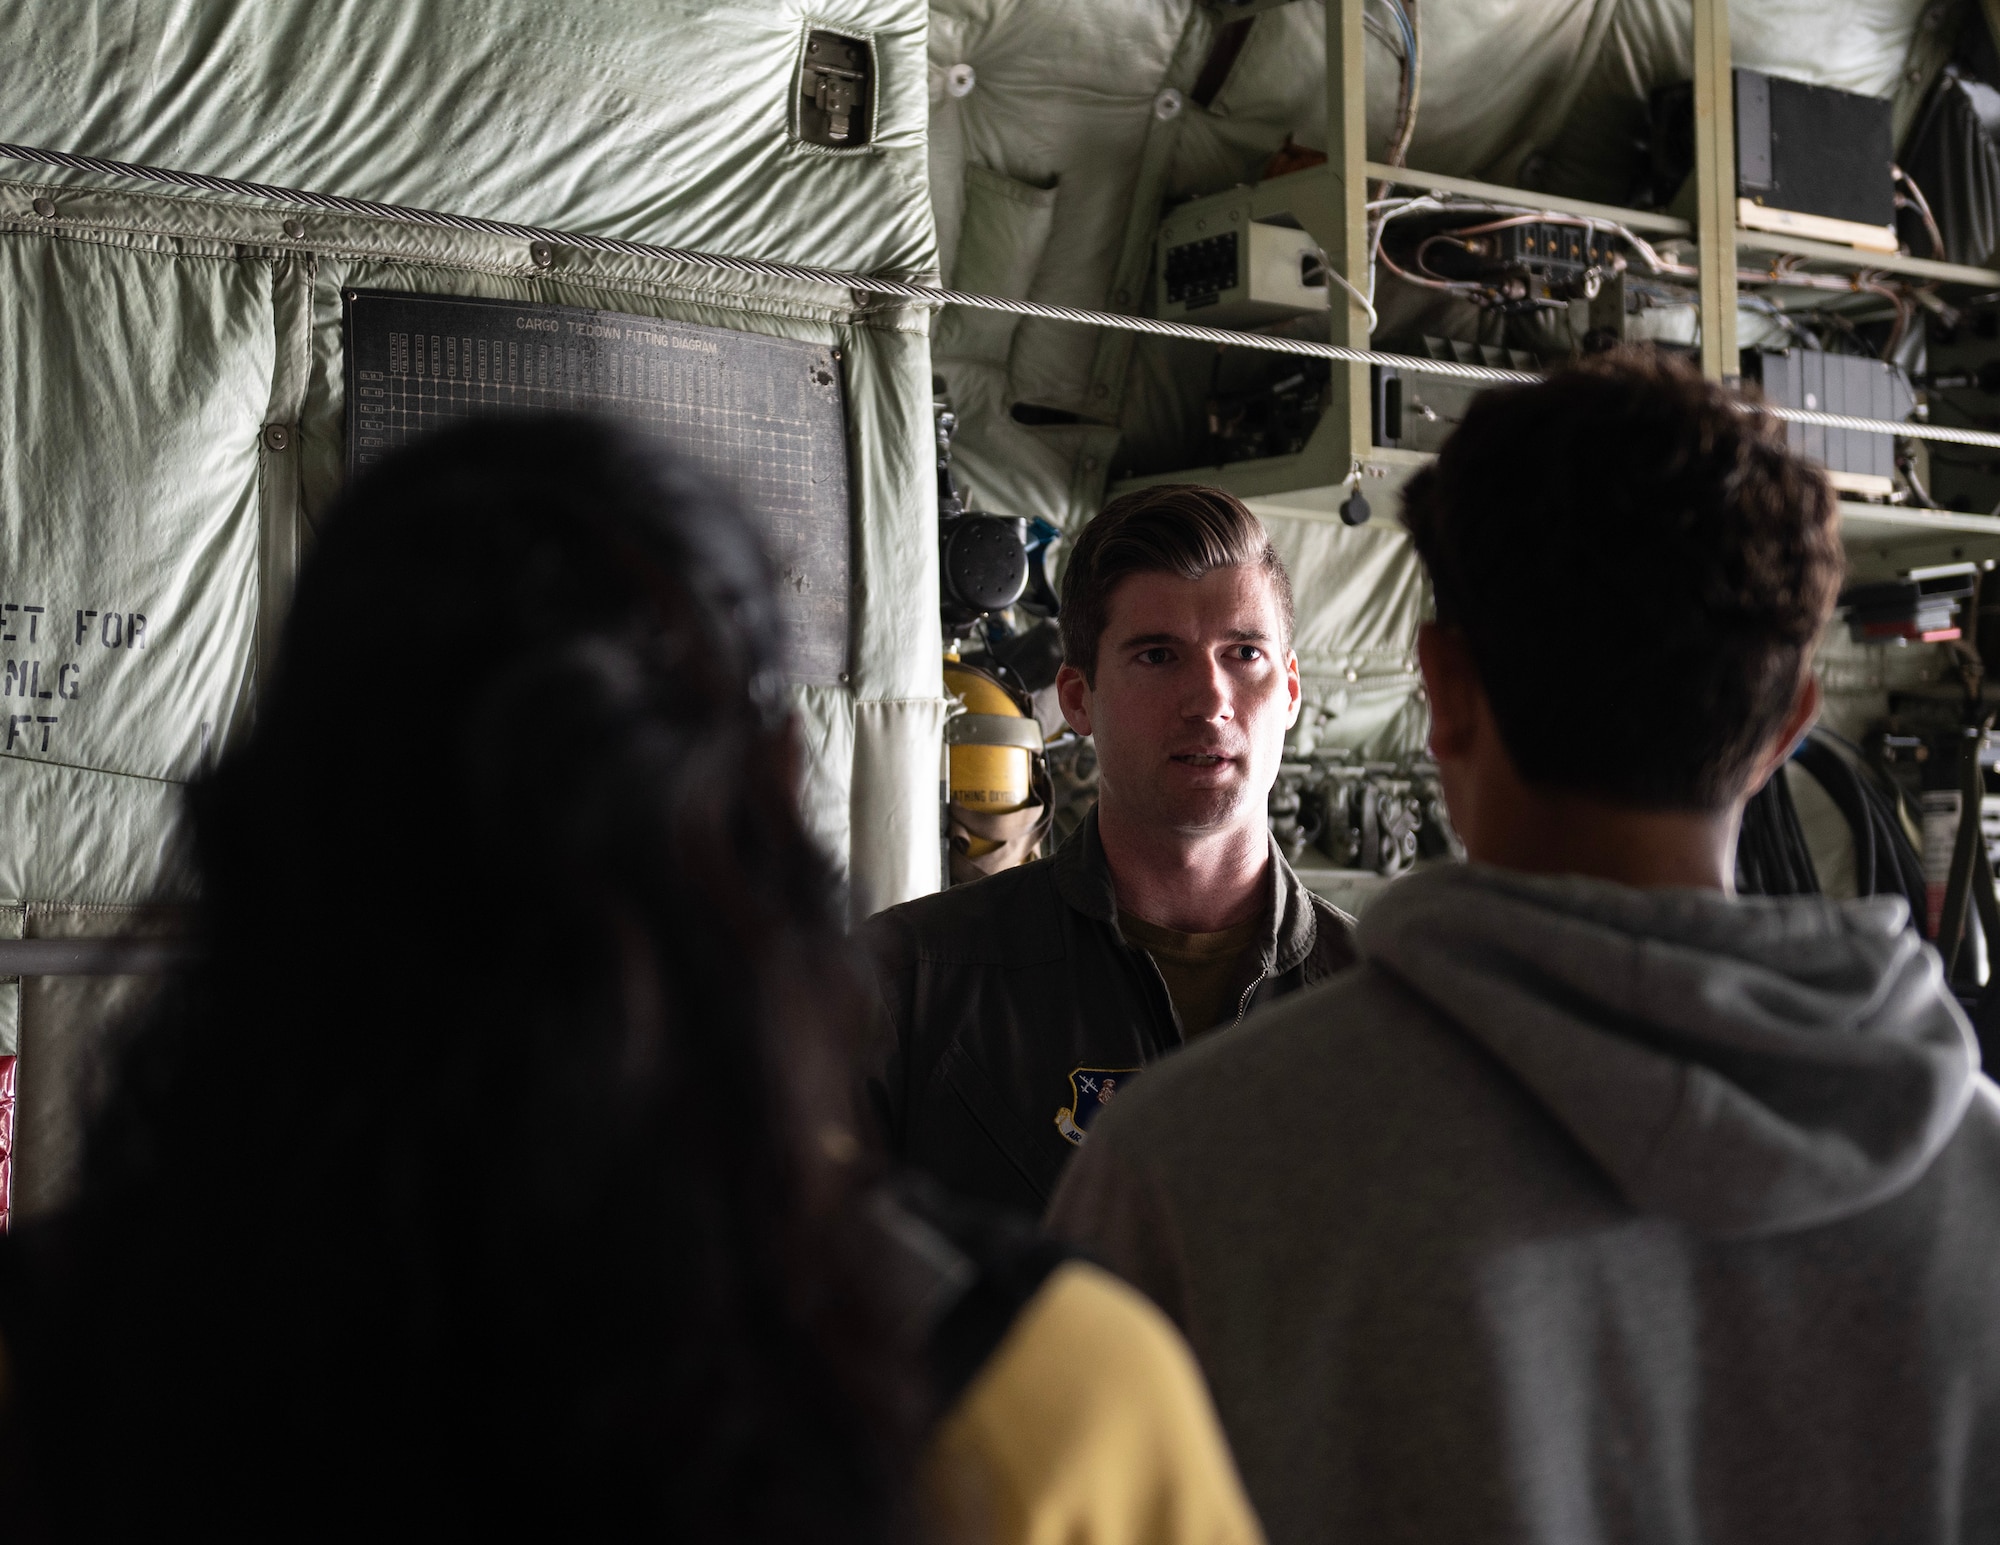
point(1171, 528)
point(1640, 568)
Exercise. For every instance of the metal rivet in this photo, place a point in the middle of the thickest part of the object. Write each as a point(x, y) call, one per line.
point(541, 254)
point(959, 80)
point(1167, 105)
point(46, 208)
point(294, 229)
point(276, 437)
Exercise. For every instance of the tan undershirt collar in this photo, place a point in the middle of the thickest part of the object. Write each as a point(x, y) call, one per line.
point(1205, 972)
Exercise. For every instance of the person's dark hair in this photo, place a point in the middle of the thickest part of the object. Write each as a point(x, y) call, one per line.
point(1174, 528)
point(1640, 569)
point(494, 1172)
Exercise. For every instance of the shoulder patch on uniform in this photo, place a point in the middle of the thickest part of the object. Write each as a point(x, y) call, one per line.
point(1090, 1090)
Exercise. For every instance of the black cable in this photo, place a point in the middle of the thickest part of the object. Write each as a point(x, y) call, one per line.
point(1886, 862)
point(1772, 858)
point(1844, 787)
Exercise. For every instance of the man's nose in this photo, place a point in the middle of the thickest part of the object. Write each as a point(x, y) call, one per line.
point(1208, 696)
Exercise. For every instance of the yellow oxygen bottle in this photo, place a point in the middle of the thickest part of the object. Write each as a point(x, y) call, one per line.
point(994, 774)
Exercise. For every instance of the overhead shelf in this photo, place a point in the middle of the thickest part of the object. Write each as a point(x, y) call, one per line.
point(1853, 257)
point(1432, 182)
point(1651, 222)
point(1883, 540)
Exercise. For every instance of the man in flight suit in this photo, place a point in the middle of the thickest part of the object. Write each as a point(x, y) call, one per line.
point(1016, 1007)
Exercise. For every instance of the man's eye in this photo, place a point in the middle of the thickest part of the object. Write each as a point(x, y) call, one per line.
point(1157, 655)
point(1249, 652)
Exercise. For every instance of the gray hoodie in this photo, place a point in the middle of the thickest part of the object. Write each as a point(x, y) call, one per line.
point(1579, 1212)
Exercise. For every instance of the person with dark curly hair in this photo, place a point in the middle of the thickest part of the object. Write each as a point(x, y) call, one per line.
point(1597, 1202)
point(495, 1170)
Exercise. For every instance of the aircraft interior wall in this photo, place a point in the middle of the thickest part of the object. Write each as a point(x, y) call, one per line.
point(175, 400)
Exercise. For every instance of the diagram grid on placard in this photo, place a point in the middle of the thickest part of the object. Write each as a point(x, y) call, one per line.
point(764, 418)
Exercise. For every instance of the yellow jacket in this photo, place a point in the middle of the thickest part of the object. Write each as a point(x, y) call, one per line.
point(1089, 1425)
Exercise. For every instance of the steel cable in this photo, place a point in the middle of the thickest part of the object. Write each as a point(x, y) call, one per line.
point(873, 284)
point(886, 285)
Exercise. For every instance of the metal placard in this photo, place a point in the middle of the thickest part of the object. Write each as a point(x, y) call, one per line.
point(763, 417)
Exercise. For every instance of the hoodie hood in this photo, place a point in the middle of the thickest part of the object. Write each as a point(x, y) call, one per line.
point(1748, 1066)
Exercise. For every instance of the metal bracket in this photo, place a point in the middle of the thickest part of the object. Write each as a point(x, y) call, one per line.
point(835, 91)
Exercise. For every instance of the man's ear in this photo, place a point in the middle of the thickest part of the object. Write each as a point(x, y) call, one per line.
point(1292, 687)
point(1805, 709)
point(1073, 693)
point(1452, 685)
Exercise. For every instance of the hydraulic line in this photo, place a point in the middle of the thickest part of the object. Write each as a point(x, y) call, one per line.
point(1922, 206)
point(1413, 66)
point(892, 286)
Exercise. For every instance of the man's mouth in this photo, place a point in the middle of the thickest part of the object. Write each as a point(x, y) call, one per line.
point(1201, 758)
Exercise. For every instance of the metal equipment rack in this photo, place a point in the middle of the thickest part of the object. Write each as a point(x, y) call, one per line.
point(1329, 202)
